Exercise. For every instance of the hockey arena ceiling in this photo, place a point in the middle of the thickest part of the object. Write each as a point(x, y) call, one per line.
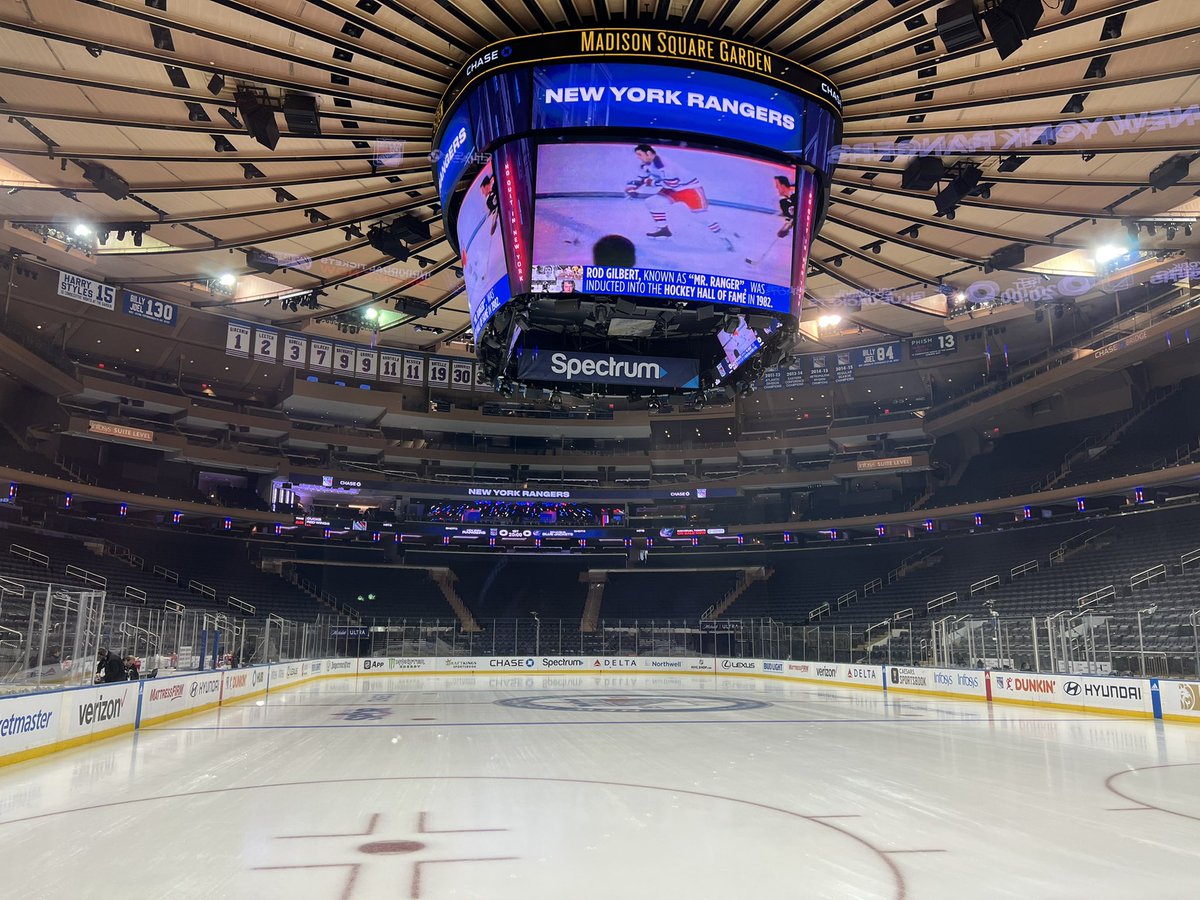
point(1066, 131)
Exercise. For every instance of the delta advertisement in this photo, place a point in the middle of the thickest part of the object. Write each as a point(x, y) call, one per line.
point(596, 368)
point(660, 222)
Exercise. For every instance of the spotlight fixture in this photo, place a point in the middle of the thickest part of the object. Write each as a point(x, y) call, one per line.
point(106, 180)
point(963, 183)
point(353, 231)
point(1011, 23)
point(94, 50)
point(216, 84)
point(1171, 172)
point(259, 116)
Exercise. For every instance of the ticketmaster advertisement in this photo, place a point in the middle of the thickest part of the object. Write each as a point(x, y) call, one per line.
point(664, 223)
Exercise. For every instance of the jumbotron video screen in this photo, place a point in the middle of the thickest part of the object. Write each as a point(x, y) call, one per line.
point(631, 221)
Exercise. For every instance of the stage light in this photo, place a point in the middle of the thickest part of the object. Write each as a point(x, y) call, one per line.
point(828, 321)
point(259, 117)
point(370, 314)
point(227, 279)
point(105, 180)
point(1107, 253)
point(1171, 172)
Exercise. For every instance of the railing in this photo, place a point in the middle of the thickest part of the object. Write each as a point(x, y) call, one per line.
point(1188, 558)
point(124, 554)
point(202, 589)
point(990, 582)
point(38, 559)
point(135, 593)
point(88, 577)
point(8, 586)
point(938, 602)
point(820, 612)
point(872, 586)
point(1108, 592)
point(173, 606)
point(1023, 569)
point(847, 598)
point(166, 574)
point(1147, 575)
point(902, 614)
point(242, 605)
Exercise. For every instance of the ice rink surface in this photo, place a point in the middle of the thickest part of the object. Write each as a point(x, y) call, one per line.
point(610, 786)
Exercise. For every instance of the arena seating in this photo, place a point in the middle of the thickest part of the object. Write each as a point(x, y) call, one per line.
point(380, 591)
point(220, 564)
point(1017, 461)
point(1149, 442)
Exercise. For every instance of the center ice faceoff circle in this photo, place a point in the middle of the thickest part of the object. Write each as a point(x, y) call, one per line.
point(632, 703)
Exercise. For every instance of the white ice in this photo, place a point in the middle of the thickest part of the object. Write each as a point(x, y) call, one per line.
point(610, 787)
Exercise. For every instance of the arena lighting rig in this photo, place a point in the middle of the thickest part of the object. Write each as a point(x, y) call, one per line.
point(633, 207)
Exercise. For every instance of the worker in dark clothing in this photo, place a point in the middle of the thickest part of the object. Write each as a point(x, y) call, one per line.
point(109, 667)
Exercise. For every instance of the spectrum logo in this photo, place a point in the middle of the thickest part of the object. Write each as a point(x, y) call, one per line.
point(573, 366)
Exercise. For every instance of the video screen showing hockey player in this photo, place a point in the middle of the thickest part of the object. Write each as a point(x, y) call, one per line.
point(739, 344)
point(481, 241)
point(696, 225)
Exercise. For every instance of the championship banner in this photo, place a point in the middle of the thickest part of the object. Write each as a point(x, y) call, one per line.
point(366, 363)
point(482, 384)
point(237, 340)
point(87, 291)
point(439, 371)
point(295, 350)
point(462, 374)
point(343, 360)
point(391, 365)
point(414, 369)
point(320, 355)
point(266, 344)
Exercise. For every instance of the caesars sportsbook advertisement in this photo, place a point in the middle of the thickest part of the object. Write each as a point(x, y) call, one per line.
point(662, 168)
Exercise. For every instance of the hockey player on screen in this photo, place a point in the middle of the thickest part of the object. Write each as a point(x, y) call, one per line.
point(488, 188)
point(787, 203)
point(675, 185)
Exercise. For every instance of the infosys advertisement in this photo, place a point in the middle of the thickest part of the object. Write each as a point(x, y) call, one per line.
point(597, 368)
point(608, 95)
point(481, 244)
point(658, 221)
